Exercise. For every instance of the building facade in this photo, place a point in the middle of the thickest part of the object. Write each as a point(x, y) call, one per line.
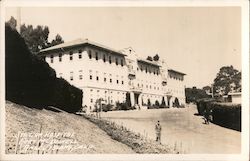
point(107, 74)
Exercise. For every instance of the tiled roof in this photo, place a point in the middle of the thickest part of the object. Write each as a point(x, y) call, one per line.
point(78, 42)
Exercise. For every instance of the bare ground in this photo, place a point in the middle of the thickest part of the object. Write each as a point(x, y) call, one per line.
point(181, 129)
point(22, 119)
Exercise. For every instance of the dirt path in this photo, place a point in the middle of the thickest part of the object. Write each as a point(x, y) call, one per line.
point(181, 129)
point(23, 119)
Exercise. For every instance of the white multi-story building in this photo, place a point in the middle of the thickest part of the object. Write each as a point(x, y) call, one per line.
point(102, 72)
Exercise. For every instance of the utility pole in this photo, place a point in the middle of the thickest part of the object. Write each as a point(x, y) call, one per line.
point(212, 89)
point(18, 23)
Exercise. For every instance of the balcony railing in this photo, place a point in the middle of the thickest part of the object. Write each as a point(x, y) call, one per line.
point(168, 93)
point(136, 88)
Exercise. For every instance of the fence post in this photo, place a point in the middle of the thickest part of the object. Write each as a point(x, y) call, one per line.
point(17, 142)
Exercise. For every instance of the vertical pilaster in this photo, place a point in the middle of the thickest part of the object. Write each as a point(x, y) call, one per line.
point(132, 98)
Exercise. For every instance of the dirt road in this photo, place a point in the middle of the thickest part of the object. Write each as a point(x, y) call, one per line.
point(181, 129)
point(94, 140)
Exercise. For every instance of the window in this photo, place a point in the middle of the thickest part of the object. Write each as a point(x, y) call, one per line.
point(71, 76)
point(90, 77)
point(71, 55)
point(122, 82)
point(105, 79)
point(117, 81)
point(116, 61)
point(51, 58)
point(96, 55)
point(122, 62)
point(90, 54)
point(97, 78)
point(110, 60)
point(60, 57)
point(104, 58)
point(80, 74)
point(80, 54)
point(91, 100)
point(110, 80)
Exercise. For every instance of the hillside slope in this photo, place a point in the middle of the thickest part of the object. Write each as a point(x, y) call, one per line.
point(22, 119)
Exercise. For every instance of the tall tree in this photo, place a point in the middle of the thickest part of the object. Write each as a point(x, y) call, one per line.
point(58, 40)
point(227, 80)
point(36, 38)
point(12, 22)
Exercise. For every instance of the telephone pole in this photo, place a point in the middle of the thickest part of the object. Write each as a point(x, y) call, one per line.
point(18, 21)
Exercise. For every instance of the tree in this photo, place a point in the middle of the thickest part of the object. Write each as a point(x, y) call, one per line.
point(58, 40)
point(156, 57)
point(149, 103)
point(207, 89)
point(157, 103)
point(194, 94)
point(128, 100)
point(227, 80)
point(149, 58)
point(36, 38)
point(12, 23)
point(163, 103)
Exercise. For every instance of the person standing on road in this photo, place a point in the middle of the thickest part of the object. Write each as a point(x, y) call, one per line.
point(158, 131)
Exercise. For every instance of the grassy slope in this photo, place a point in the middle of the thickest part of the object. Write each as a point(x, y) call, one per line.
point(23, 119)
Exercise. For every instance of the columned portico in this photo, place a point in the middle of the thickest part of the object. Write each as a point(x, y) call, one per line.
point(135, 98)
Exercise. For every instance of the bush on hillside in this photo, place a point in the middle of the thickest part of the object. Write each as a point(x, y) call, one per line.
point(31, 82)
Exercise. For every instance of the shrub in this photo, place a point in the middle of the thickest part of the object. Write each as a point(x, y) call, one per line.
point(123, 106)
point(176, 103)
point(157, 103)
point(224, 114)
point(163, 103)
point(107, 107)
point(202, 105)
point(149, 103)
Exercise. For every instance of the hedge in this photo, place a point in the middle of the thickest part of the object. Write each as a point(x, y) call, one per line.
point(227, 115)
point(203, 104)
point(223, 114)
point(31, 82)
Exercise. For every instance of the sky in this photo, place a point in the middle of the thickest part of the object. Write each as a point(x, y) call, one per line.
point(197, 41)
